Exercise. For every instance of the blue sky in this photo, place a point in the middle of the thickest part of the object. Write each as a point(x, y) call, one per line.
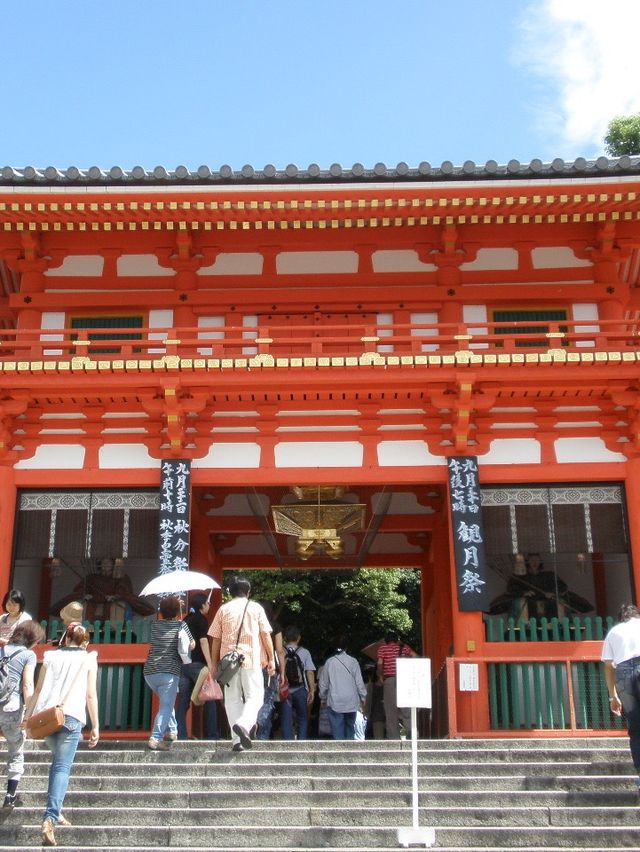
point(159, 82)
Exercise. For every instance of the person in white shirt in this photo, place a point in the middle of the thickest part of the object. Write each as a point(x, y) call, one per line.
point(621, 658)
point(68, 676)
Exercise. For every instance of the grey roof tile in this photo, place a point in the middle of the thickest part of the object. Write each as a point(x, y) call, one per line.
point(358, 173)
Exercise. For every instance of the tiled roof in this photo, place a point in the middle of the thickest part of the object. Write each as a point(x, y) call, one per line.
point(313, 174)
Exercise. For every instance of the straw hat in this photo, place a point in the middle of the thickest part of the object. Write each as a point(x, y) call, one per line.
point(71, 612)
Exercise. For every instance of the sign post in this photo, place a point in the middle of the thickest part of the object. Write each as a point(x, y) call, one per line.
point(413, 689)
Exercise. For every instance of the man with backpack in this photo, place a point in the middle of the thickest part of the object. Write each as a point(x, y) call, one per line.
point(300, 674)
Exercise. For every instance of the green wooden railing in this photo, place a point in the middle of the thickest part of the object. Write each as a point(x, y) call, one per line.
point(573, 629)
point(534, 695)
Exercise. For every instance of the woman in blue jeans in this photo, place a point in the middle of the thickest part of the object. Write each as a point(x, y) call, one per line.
point(68, 676)
point(171, 643)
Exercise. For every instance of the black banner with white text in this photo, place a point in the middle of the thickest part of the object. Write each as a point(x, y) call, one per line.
point(468, 535)
point(175, 494)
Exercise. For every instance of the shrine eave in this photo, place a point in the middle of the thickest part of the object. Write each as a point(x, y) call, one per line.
point(138, 176)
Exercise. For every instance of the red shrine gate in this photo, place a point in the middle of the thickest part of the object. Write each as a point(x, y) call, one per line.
point(296, 329)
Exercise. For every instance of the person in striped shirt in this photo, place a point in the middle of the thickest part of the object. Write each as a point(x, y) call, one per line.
point(388, 653)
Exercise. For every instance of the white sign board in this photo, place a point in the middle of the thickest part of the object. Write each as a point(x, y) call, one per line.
point(413, 682)
point(468, 675)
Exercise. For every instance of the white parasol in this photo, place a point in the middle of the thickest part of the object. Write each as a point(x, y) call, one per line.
point(174, 582)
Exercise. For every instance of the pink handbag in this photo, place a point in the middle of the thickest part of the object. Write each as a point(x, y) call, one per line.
point(206, 688)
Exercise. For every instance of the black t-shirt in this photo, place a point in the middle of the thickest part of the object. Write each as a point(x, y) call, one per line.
point(198, 625)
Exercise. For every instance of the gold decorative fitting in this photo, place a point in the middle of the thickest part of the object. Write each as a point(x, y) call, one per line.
point(319, 526)
point(262, 361)
point(370, 358)
point(463, 337)
point(373, 339)
point(554, 334)
point(264, 340)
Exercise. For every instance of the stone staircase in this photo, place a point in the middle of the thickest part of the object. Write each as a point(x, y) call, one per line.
point(491, 795)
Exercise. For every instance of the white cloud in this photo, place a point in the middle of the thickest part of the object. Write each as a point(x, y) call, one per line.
point(585, 55)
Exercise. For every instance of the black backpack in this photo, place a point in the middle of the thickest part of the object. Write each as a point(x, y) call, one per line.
point(293, 668)
point(9, 681)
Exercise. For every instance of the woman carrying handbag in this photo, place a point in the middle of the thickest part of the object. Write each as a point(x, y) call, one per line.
point(68, 677)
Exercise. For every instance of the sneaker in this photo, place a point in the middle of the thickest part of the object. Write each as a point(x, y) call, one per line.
point(158, 745)
point(63, 821)
point(48, 833)
point(245, 739)
point(10, 801)
point(171, 737)
point(237, 747)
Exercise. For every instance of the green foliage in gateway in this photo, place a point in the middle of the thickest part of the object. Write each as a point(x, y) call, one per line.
point(623, 136)
point(363, 603)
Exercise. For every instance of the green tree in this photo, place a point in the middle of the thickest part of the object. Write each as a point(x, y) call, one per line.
point(623, 135)
point(363, 604)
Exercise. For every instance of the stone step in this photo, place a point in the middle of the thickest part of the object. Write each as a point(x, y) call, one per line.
point(202, 752)
point(331, 795)
point(216, 837)
point(162, 763)
point(358, 797)
point(337, 783)
point(332, 817)
point(588, 743)
point(208, 848)
point(394, 848)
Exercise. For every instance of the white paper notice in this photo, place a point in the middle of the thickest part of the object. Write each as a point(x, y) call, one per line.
point(469, 677)
point(413, 682)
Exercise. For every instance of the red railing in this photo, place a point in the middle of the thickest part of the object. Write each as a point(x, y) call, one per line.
point(317, 341)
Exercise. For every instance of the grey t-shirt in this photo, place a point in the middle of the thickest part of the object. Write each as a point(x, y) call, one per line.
point(22, 658)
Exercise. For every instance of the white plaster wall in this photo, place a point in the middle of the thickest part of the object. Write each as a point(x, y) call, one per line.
point(585, 311)
point(512, 451)
point(86, 265)
point(426, 319)
point(407, 454)
point(556, 257)
point(54, 457)
point(230, 455)
point(234, 263)
point(493, 258)
point(319, 454)
point(125, 456)
point(142, 265)
point(52, 319)
point(291, 262)
point(389, 260)
point(472, 314)
point(585, 450)
point(385, 319)
point(209, 323)
point(161, 318)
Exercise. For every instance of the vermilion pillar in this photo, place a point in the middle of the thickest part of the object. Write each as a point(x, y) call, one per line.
point(437, 629)
point(468, 643)
point(632, 491)
point(7, 521)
